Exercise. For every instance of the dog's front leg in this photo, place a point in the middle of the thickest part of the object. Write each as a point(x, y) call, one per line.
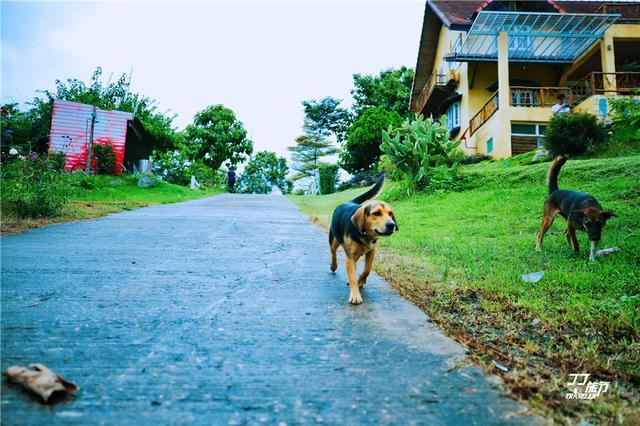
point(334, 245)
point(573, 239)
point(354, 291)
point(368, 261)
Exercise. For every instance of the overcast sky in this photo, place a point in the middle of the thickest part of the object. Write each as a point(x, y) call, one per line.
point(259, 58)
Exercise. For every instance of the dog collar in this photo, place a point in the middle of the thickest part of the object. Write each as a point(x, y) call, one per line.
point(367, 237)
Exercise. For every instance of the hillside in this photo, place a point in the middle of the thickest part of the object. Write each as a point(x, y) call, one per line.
point(460, 257)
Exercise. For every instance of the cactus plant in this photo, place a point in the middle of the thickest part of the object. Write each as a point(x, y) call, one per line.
point(417, 146)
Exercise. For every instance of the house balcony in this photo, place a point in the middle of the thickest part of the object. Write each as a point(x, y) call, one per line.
point(534, 103)
point(438, 88)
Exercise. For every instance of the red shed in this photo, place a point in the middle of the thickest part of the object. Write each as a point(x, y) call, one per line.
point(71, 131)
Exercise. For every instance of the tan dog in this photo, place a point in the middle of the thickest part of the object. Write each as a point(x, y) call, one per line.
point(356, 228)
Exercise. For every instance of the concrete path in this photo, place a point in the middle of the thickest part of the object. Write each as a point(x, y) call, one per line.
point(223, 311)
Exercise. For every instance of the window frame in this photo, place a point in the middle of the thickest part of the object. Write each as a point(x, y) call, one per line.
point(539, 135)
point(455, 107)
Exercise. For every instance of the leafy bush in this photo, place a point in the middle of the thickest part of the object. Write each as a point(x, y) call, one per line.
point(57, 160)
point(34, 187)
point(625, 114)
point(359, 179)
point(83, 182)
point(172, 166)
point(328, 177)
point(475, 158)
point(104, 157)
point(417, 146)
point(574, 134)
point(362, 149)
point(388, 168)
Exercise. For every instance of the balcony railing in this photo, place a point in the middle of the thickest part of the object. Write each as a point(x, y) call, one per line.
point(525, 96)
point(609, 83)
point(436, 79)
point(485, 113)
point(596, 83)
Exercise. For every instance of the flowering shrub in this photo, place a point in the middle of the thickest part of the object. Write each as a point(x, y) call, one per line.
point(33, 186)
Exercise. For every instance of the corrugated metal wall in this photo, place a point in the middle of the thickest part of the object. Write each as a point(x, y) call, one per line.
point(71, 127)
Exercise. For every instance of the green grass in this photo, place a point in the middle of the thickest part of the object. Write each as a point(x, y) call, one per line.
point(124, 189)
point(94, 196)
point(460, 256)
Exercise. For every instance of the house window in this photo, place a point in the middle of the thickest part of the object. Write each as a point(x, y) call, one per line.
point(533, 130)
point(453, 116)
point(489, 145)
point(524, 98)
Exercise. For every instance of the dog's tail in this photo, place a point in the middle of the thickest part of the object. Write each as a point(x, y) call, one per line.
point(554, 171)
point(370, 193)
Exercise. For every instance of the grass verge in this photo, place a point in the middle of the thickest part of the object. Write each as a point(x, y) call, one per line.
point(460, 256)
point(94, 196)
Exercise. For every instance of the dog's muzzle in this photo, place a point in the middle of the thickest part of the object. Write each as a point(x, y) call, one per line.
point(388, 229)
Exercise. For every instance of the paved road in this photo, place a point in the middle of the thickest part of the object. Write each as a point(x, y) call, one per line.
point(222, 311)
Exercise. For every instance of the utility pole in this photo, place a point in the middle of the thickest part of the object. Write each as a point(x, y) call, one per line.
point(93, 125)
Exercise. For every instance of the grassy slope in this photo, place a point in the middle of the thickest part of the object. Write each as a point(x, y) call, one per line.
point(460, 257)
point(107, 194)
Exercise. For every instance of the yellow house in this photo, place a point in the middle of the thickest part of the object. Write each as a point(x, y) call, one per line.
point(495, 68)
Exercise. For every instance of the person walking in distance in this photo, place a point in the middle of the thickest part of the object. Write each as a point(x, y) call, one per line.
point(231, 178)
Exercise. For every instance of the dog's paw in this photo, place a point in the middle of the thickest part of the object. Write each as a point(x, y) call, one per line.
point(538, 248)
point(333, 267)
point(355, 298)
point(362, 282)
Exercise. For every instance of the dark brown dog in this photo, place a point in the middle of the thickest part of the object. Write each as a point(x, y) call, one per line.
point(356, 228)
point(582, 211)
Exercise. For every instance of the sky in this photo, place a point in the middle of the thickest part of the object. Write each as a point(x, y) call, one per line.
point(259, 58)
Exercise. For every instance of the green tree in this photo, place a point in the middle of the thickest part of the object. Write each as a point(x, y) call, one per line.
point(216, 136)
point(325, 117)
point(390, 89)
point(15, 128)
point(362, 149)
point(329, 174)
point(264, 171)
point(307, 152)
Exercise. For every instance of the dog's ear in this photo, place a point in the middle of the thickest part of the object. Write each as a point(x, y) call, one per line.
point(608, 215)
point(358, 218)
point(393, 216)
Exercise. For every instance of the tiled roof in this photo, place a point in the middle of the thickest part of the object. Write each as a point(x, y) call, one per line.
point(456, 13)
point(628, 10)
point(459, 14)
